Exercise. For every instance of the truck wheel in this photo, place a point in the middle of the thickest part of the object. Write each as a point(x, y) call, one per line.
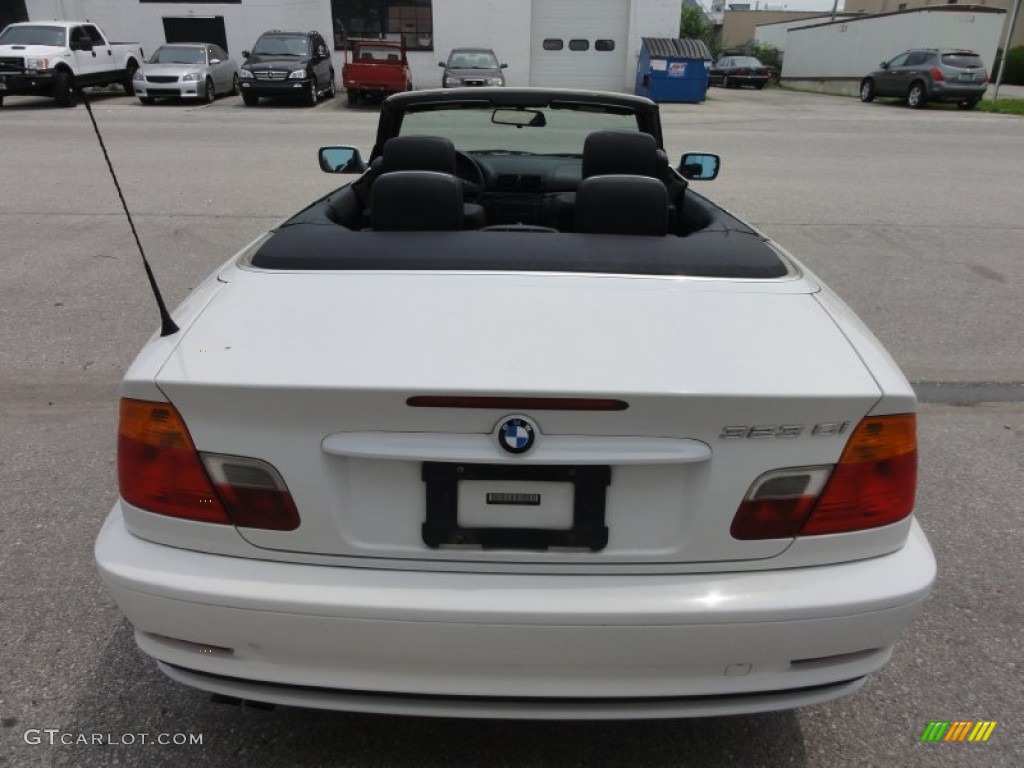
point(129, 77)
point(250, 99)
point(64, 89)
point(353, 97)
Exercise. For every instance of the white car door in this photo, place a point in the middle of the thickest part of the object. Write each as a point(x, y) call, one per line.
point(102, 53)
point(86, 61)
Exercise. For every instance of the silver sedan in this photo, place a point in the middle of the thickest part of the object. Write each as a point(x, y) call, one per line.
point(186, 71)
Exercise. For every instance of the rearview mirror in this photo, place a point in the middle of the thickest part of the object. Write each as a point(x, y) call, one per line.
point(341, 160)
point(699, 166)
point(519, 117)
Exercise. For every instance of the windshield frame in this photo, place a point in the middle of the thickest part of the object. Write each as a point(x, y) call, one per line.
point(395, 108)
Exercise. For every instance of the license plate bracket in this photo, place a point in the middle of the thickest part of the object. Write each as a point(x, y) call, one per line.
point(588, 531)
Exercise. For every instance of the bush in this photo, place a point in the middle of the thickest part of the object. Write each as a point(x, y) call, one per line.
point(1014, 73)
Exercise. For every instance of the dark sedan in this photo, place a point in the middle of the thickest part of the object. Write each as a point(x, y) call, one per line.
point(737, 71)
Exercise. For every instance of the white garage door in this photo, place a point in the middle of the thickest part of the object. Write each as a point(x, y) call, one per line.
point(579, 44)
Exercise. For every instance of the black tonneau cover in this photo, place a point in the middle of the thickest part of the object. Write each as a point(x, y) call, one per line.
point(712, 253)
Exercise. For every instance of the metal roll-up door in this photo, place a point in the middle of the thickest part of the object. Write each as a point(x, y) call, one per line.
point(579, 44)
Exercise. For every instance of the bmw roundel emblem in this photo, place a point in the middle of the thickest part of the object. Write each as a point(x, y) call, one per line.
point(517, 434)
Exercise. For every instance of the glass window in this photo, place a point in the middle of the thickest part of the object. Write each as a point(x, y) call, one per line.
point(178, 54)
point(899, 61)
point(33, 35)
point(281, 45)
point(406, 21)
point(964, 60)
point(604, 45)
point(553, 44)
point(579, 45)
point(94, 33)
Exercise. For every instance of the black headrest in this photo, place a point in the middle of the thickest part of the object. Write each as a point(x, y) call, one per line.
point(416, 201)
point(615, 152)
point(622, 205)
point(418, 153)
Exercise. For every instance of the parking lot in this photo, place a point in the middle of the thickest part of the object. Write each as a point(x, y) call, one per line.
point(913, 216)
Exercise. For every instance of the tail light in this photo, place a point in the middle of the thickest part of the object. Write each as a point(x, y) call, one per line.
point(159, 470)
point(936, 74)
point(872, 485)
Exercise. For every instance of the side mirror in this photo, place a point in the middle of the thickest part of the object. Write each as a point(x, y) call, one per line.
point(341, 160)
point(884, 65)
point(245, 54)
point(321, 51)
point(699, 166)
point(441, 64)
point(504, 66)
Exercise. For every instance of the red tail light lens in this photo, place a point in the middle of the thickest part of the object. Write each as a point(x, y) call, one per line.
point(778, 503)
point(875, 481)
point(936, 74)
point(872, 485)
point(159, 470)
point(253, 492)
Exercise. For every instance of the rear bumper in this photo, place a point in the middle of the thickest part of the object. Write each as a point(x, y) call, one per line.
point(506, 645)
point(949, 91)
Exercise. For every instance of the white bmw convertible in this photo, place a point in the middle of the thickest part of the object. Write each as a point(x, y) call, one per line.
point(517, 424)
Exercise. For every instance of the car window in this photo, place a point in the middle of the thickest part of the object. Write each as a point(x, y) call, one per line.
point(94, 33)
point(281, 45)
point(962, 60)
point(473, 60)
point(378, 53)
point(918, 58)
point(178, 54)
point(33, 35)
point(746, 61)
point(899, 61)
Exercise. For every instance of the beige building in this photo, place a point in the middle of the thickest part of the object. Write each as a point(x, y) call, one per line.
point(738, 27)
point(889, 6)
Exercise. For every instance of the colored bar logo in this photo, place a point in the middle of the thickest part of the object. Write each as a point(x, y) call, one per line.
point(958, 730)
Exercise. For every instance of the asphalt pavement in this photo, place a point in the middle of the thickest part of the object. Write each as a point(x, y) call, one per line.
point(914, 217)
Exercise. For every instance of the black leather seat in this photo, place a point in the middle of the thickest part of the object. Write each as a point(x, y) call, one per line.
point(427, 153)
point(416, 201)
point(622, 205)
point(619, 152)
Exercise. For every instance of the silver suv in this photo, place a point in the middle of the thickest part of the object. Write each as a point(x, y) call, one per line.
point(921, 75)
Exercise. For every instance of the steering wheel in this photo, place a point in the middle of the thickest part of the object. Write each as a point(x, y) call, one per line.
point(472, 175)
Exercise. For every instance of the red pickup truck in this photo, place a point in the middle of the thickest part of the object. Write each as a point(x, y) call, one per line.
point(378, 68)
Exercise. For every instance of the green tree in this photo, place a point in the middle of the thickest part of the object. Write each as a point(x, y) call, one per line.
point(693, 24)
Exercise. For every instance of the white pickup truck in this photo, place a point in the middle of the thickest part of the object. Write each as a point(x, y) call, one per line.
point(53, 58)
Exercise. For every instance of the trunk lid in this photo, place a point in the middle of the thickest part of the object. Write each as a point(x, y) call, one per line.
point(312, 372)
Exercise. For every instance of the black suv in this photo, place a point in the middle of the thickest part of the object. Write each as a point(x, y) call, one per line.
point(287, 65)
point(929, 74)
